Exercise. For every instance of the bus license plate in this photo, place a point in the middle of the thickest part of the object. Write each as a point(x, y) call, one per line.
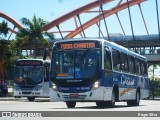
point(74, 95)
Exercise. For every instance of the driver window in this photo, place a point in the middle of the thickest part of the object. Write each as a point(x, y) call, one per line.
point(46, 66)
point(116, 60)
point(107, 62)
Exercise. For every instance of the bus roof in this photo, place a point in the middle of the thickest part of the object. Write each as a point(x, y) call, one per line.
point(41, 60)
point(30, 59)
point(109, 43)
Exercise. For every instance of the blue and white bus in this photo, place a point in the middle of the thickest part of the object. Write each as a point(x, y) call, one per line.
point(31, 78)
point(96, 70)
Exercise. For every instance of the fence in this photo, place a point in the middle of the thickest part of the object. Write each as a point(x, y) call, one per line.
point(155, 88)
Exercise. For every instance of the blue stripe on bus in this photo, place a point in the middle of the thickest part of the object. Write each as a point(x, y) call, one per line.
point(124, 80)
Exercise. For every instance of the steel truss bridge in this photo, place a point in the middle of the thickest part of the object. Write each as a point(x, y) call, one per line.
point(148, 44)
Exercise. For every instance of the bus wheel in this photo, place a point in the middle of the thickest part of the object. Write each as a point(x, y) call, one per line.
point(136, 101)
point(15, 96)
point(113, 99)
point(31, 98)
point(104, 104)
point(101, 104)
point(71, 104)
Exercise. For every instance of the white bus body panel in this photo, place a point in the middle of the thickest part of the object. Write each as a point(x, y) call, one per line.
point(95, 95)
point(32, 92)
point(45, 88)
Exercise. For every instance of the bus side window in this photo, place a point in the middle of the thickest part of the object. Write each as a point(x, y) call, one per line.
point(131, 64)
point(107, 62)
point(143, 68)
point(146, 68)
point(124, 62)
point(137, 66)
point(116, 60)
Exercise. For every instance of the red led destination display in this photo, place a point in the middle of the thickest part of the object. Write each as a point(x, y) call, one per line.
point(77, 45)
point(29, 63)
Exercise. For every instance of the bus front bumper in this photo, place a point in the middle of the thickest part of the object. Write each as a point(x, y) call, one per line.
point(100, 94)
point(28, 93)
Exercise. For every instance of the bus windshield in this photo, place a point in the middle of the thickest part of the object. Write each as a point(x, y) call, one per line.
point(27, 75)
point(76, 64)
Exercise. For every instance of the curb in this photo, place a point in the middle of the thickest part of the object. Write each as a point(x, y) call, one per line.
point(11, 99)
point(22, 98)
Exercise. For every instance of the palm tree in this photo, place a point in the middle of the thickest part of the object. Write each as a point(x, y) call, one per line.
point(3, 32)
point(4, 28)
point(32, 33)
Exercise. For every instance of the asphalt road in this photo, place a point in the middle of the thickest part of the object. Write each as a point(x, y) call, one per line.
point(18, 108)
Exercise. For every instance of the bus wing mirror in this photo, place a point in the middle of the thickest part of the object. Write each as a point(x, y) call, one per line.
point(45, 54)
point(106, 48)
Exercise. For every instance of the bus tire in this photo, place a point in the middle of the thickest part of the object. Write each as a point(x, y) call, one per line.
point(113, 100)
point(71, 104)
point(17, 96)
point(136, 101)
point(31, 98)
point(104, 104)
point(101, 104)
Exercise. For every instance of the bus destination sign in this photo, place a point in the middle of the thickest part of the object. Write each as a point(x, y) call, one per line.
point(80, 45)
point(29, 63)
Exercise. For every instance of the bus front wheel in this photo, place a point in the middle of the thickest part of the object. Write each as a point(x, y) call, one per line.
point(113, 99)
point(136, 101)
point(31, 98)
point(71, 104)
point(104, 104)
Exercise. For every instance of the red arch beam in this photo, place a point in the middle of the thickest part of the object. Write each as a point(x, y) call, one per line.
point(106, 14)
point(72, 14)
point(11, 20)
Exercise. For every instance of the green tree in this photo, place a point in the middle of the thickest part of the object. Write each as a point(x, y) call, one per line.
point(32, 34)
point(9, 53)
point(151, 71)
point(4, 28)
point(3, 32)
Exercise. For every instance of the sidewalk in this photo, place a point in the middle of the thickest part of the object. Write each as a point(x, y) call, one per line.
point(22, 98)
point(12, 98)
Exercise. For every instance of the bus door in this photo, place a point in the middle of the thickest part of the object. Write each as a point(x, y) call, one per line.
point(46, 80)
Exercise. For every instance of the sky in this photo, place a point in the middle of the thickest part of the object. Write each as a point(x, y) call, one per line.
point(49, 10)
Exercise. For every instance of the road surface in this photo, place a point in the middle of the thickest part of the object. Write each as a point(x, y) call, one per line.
point(18, 108)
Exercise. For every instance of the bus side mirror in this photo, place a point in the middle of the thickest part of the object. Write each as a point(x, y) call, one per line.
point(46, 74)
point(45, 54)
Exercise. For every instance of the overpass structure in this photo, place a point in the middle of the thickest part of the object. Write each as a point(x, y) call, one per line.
point(147, 45)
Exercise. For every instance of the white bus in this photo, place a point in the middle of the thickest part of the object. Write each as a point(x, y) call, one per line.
point(96, 70)
point(31, 78)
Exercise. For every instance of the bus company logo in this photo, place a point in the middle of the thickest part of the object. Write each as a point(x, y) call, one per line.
point(6, 114)
point(21, 114)
point(127, 80)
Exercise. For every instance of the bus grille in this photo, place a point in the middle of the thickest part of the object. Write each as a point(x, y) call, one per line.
point(27, 87)
point(77, 97)
point(26, 92)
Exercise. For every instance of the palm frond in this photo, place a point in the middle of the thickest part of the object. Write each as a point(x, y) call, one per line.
point(50, 35)
point(44, 41)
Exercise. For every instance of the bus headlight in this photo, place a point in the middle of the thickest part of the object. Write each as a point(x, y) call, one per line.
point(95, 85)
point(54, 87)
